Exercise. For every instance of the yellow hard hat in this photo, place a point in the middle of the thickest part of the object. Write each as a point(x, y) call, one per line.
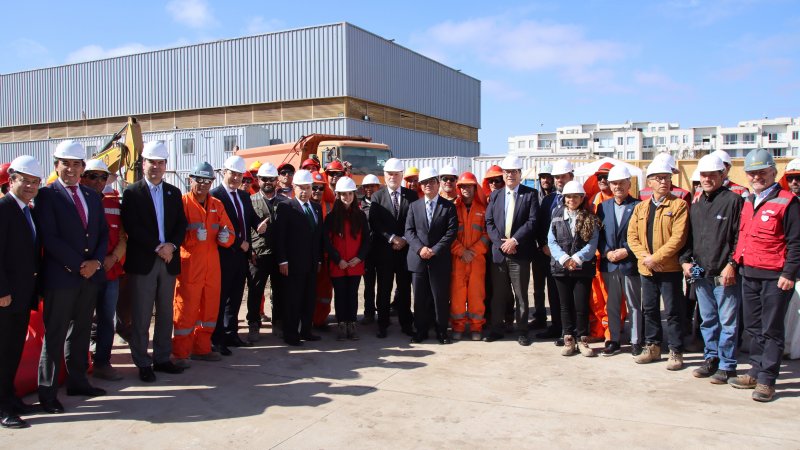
point(255, 166)
point(53, 177)
point(411, 172)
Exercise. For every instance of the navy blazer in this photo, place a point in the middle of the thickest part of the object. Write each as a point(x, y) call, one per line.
point(613, 236)
point(251, 220)
point(296, 241)
point(523, 228)
point(66, 243)
point(19, 258)
point(438, 236)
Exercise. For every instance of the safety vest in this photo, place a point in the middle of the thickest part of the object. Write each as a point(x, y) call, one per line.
point(114, 221)
point(762, 242)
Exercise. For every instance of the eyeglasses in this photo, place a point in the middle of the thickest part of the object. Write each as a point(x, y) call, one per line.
point(334, 174)
point(428, 181)
point(94, 176)
point(792, 178)
point(602, 177)
point(203, 180)
point(448, 179)
point(286, 173)
point(661, 178)
point(497, 180)
point(267, 179)
point(317, 188)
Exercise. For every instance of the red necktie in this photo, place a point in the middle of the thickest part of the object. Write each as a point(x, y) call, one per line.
point(78, 204)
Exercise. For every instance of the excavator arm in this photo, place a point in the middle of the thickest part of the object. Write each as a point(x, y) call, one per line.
point(122, 152)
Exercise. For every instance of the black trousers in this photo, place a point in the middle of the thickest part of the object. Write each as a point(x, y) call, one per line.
point(390, 271)
point(510, 280)
point(544, 282)
point(13, 331)
point(234, 275)
point(370, 277)
point(258, 276)
point(666, 285)
point(431, 300)
point(345, 290)
point(574, 293)
point(765, 308)
point(298, 309)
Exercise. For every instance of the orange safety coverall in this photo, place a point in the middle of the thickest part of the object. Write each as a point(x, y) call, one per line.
point(197, 287)
point(322, 308)
point(468, 284)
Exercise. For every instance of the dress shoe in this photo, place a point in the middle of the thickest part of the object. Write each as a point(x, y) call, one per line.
point(310, 337)
point(418, 339)
point(86, 391)
point(10, 420)
point(493, 336)
point(167, 367)
point(106, 372)
point(550, 333)
point(537, 324)
point(382, 333)
point(236, 341)
point(222, 350)
point(444, 339)
point(293, 342)
point(20, 407)
point(52, 406)
point(147, 375)
point(523, 340)
point(559, 342)
point(408, 331)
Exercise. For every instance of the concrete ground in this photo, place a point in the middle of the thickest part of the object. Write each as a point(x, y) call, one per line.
point(387, 393)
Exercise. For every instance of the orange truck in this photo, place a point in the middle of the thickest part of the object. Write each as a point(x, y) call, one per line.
point(365, 157)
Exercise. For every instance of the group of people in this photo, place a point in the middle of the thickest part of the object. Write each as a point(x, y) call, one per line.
point(467, 250)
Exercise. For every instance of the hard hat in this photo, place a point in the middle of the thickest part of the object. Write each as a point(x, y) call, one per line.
point(618, 173)
point(467, 178)
point(710, 163)
point(427, 173)
point(724, 156)
point(203, 170)
point(255, 166)
point(561, 167)
point(494, 171)
point(511, 162)
point(605, 167)
point(155, 150)
point(302, 176)
point(370, 179)
point(758, 159)
point(69, 149)
point(658, 167)
point(235, 164)
point(27, 165)
point(248, 176)
point(310, 162)
point(335, 166)
point(4, 173)
point(393, 165)
point(448, 170)
point(52, 178)
point(267, 170)
point(411, 172)
point(96, 165)
point(317, 177)
point(285, 165)
point(345, 184)
point(546, 169)
point(573, 187)
point(667, 159)
point(696, 175)
point(793, 167)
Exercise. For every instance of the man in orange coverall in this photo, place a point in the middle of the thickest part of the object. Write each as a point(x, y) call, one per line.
point(467, 287)
point(322, 194)
point(197, 288)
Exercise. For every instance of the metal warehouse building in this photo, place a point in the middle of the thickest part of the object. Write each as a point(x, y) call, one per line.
point(204, 99)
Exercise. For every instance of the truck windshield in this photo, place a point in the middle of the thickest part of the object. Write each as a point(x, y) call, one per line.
point(366, 160)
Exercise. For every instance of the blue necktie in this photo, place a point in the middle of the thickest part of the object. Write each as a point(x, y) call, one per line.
point(27, 212)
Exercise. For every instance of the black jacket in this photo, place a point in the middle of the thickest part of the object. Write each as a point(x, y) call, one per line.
point(19, 257)
point(523, 227)
point(714, 222)
point(250, 220)
point(384, 224)
point(438, 236)
point(296, 241)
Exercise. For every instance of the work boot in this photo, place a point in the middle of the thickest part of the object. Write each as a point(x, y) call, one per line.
point(675, 361)
point(342, 335)
point(722, 376)
point(210, 356)
point(253, 332)
point(183, 363)
point(763, 393)
point(743, 382)
point(351, 331)
point(583, 347)
point(106, 372)
point(708, 368)
point(457, 335)
point(650, 353)
point(570, 348)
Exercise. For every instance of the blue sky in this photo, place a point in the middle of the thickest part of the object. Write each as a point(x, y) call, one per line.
point(542, 64)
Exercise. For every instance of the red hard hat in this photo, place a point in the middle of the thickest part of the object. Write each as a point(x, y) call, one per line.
point(4, 173)
point(247, 176)
point(309, 162)
point(494, 171)
point(605, 167)
point(334, 165)
point(467, 178)
point(285, 165)
point(317, 177)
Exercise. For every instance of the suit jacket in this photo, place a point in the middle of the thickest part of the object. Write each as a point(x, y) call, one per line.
point(613, 236)
point(383, 223)
point(66, 243)
point(250, 219)
point(438, 236)
point(523, 228)
point(139, 220)
point(296, 241)
point(19, 257)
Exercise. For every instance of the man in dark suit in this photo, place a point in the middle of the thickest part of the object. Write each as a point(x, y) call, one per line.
point(72, 226)
point(298, 252)
point(387, 220)
point(431, 228)
point(233, 260)
point(511, 225)
point(153, 217)
point(19, 266)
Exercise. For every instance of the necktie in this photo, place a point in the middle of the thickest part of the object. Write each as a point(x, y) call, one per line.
point(239, 215)
point(429, 206)
point(78, 204)
point(309, 215)
point(510, 212)
point(396, 204)
point(27, 211)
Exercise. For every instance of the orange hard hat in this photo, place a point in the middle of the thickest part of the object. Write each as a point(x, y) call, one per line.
point(494, 171)
point(4, 173)
point(334, 165)
point(309, 162)
point(255, 166)
point(467, 178)
point(605, 167)
point(317, 177)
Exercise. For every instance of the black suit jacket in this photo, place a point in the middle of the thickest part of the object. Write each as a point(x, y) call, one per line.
point(296, 241)
point(19, 257)
point(438, 236)
point(66, 243)
point(139, 220)
point(383, 223)
point(251, 221)
point(523, 228)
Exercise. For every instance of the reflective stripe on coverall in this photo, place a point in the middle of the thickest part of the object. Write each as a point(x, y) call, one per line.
point(468, 284)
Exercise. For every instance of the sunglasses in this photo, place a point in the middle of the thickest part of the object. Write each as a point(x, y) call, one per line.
point(428, 181)
point(94, 176)
point(286, 173)
point(602, 177)
point(267, 179)
point(495, 180)
point(448, 179)
point(247, 180)
point(203, 180)
point(335, 174)
point(317, 188)
point(792, 178)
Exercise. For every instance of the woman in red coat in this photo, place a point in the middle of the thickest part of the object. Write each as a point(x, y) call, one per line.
point(347, 243)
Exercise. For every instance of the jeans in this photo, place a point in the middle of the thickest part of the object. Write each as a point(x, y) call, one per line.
point(346, 297)
point(719, 310)
point(106, 309)
point(668, 286)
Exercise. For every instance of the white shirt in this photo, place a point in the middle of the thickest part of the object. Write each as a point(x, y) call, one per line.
point(311, 208)
point(80, 196)
point(508, 192)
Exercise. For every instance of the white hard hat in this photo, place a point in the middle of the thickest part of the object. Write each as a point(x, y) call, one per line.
point(618, 173)
point(448, 170)
point(667, 159)
point(561, 167)
point(267, 170)
point(155, 150)
point(658, 167)
point(723, 156)
point(573, 187)
point(345, 184)
point(427, 173)
point(511, 162)
point(69, 149)
point(96, 165)
point(235, 164)
point(302, 176)
point(546, 169)
point(696, 175)
point(393, 165)
point(370, 179)
point(27, 165)
point(793, 166)
point(710, 163)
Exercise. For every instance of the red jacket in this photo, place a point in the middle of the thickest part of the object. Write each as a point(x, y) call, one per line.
point(345, 247)
point(115, 233)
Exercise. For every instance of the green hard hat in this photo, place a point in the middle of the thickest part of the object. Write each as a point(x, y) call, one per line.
point(758, 159)
point(203, 170)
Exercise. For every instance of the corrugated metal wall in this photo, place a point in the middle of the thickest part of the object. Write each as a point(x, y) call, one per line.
point(482, 164)
point(407, 143)
point(461, 163)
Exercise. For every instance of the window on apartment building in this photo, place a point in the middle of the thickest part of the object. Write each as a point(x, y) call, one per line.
point(647, 156)
point(521, 144)
point(620, 155)
point(606, 142)
point(748, 138)
point(685, 138)
point(674, 139)
point(567, 143)
point(661, 128)
point(647, 142)
point(620, 141)
point(661, 140)
point(795, 135)
point(545, 144)
point(230, 142)
point(630, 155)
point(776, 137)
point(187, 146)
point(631, 140)
point(511, 146)
point(583, 143)
point(730, 139)
point(778, 151)
point(795, 151)
point(531, 144)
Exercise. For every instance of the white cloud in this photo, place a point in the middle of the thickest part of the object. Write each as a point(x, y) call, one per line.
point(192, 13)
point(658, 80)
point(93, 52)
point(704, 13)
point(501, 90)
point(260, 25)
point(26, 48)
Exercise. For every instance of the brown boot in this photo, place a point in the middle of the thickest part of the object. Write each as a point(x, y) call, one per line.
point(650, 353)
point(675, 361)
point(570, 347)
point(743, 382)
point(583, 347)
point(763, 393)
